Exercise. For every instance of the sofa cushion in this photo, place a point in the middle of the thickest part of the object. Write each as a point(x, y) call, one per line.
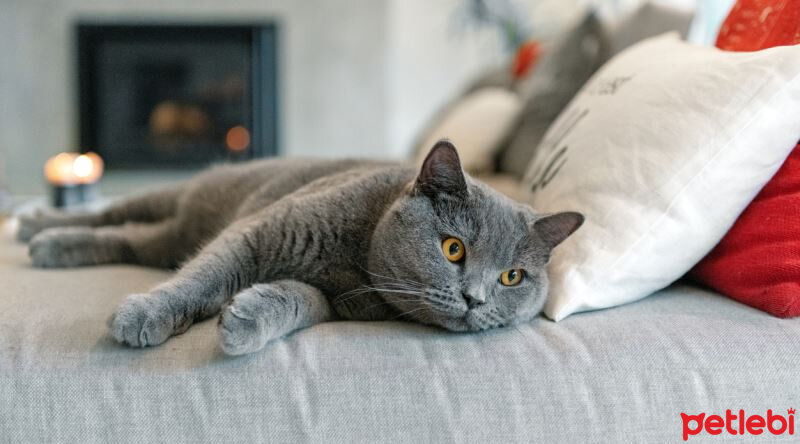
point(493, 79)
point(477, 124)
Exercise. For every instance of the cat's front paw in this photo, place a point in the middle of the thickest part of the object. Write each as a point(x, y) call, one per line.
point(142, 320)
point(31, 224)
point(62, 247)
point(243, 325)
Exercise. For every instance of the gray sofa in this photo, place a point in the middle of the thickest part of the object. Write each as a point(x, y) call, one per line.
point(618, 375)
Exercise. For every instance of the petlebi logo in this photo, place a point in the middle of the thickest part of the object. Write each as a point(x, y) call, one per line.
point(738, 424)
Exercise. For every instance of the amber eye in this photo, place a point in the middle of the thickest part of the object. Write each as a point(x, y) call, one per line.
point(453, 249)
point(509, 278)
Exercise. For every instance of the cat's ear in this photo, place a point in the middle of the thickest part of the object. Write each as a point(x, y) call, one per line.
point(553, 229)
point(441, 172)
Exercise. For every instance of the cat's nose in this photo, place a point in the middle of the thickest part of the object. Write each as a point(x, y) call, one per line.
point(473, 301)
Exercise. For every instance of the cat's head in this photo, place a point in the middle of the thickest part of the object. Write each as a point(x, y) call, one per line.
point(454, 253)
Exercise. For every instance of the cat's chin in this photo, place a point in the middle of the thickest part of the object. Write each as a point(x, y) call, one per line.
point(471, 321)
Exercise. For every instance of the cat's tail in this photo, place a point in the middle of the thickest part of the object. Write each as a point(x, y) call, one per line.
point(146, 207)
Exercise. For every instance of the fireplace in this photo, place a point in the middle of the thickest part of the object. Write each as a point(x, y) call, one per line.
point(177, 96)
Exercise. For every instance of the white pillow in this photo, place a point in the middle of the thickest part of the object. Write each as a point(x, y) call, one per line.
point(661, 150)
point(477, 124)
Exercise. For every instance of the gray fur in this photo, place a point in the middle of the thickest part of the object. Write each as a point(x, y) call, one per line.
point(267, 311)
point(279, 245)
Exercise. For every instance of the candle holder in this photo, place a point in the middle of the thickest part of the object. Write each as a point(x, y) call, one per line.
point(72, 177)
point(69, 195)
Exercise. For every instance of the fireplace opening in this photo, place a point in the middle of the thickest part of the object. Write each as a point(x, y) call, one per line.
point(177, 96)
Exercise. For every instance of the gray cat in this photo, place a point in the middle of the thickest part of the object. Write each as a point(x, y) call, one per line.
point(288, 243)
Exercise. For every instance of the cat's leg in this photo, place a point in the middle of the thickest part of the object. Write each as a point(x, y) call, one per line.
point(265, 312)
point(228, 264)
point(149, 207)
point(275, 243)
point(152, 244)
point(32, 224)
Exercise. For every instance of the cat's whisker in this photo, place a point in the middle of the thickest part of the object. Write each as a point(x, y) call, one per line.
point(352, 294)
point(396, 287)
point(409, 312)
point(356, 292)
point(393, 290)
point(404, 281)
point(389, 302)
point(369, 290)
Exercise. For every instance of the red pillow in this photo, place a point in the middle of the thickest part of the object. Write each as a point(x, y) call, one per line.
point(758, 24)
point(758, 260)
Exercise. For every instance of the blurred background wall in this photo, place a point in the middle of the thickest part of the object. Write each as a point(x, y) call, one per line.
point(356, 77)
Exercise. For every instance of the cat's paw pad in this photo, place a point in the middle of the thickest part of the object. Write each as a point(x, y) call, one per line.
point(62, 247)
point(141, 321)
point(242, 327)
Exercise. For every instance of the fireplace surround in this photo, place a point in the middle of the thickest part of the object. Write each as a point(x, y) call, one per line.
point(171, 96)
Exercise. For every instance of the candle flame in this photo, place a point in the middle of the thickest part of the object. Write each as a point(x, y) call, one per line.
point(73, 168)
point(82, 165)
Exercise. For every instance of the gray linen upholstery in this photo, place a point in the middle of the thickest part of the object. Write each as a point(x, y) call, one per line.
point(619, 375)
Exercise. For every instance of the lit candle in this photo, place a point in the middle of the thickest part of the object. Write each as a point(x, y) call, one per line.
point(73, 168)
point(71, 174)
point(88, 168)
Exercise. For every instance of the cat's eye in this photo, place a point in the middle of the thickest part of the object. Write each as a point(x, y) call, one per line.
point(512, 277)
point(453, 249)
